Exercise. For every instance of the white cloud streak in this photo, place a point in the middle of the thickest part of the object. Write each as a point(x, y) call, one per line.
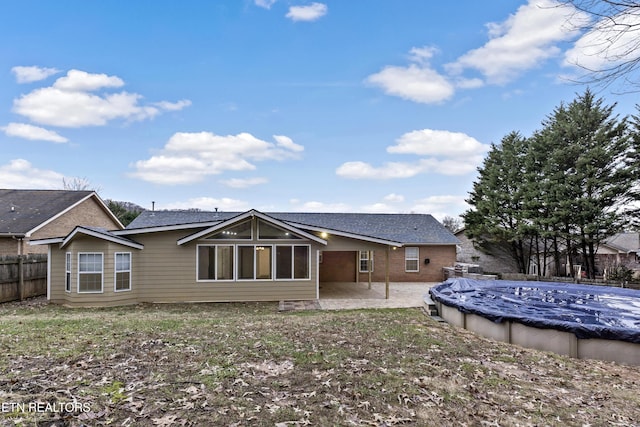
point(266, 4)
point(34, 133)
point(309, 13)
point(210, 204)
point(30, 74)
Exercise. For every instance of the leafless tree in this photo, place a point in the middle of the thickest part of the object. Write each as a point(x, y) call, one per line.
point(79, 184)
point(610, 46)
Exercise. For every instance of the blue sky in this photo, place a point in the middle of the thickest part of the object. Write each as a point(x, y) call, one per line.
point(278, 105)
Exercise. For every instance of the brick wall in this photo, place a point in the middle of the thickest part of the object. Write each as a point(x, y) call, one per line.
point(439, 257)
point(338, 266)
point(88, 213)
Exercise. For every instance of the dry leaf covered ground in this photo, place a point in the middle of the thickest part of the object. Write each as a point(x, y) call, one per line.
point(247, 364)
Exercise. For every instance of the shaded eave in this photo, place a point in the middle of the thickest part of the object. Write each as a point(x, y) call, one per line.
point(347, 234)
point(250, 214)
point(99, 234)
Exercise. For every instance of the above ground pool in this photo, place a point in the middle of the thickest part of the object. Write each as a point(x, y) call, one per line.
point(583, 321)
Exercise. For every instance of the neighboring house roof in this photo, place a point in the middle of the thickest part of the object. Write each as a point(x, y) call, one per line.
point(624, 242)
point(388, 228)
point(23, 212)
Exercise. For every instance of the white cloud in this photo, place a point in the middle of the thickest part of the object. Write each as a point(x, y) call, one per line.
point(394, 198)
point(190, 157)
point(396, 170)
point(81, 81)
point(608, 44)
point(35, 133)
point(243, 183)
point(437, 143)
point(312, 12)
point(172, 106)
point(523, 41)
point(32, 73)
point(70, 103)
point(19, 173)
point(441, 206)
point(315, 206)
point(265, 3)
point(418, 83)
point(450, 153)
point(211, 204)
point(287, 143)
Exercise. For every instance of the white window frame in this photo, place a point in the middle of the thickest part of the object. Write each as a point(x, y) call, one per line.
point(67, 271)
point(273, 249)
point(80, 273)
point(366, 259)
point(116, 271)
point(415, 258)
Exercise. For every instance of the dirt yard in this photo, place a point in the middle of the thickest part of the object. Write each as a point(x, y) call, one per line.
point(248, 365)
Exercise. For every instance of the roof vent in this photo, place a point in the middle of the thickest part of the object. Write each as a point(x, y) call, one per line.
point(13, 208)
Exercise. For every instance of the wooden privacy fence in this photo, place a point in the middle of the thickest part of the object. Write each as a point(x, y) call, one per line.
point(22, 277)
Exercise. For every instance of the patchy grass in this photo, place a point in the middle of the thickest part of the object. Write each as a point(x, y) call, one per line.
point(246, 364)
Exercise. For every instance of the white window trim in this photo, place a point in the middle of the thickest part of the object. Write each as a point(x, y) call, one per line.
point(366, 258)
point(68, 260)
point(215, 246)
point(255, 264)
point(293, 264)
point(101, 273)
point(417, 259)
point(116, 271)
point(255, 279)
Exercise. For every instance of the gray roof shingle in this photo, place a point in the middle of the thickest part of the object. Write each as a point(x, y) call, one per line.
point(23, 210)
point(404, 228)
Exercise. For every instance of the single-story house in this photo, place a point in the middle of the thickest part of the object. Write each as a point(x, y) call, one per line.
point(193, 256)
point(37, 214)
point(622, 249)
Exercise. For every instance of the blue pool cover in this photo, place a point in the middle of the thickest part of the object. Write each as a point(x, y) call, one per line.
point(588, 311)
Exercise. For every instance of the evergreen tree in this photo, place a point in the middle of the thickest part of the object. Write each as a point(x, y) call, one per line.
point(587, 165)
point(497, 200)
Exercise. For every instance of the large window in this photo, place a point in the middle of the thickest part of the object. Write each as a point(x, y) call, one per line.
point(238, 231)
point(253, 262)
point(90, 272)
point(215, 262)
point(67, 276)
point(292, 262)
point(411, 259)
point(122, 271)
point(267, 231)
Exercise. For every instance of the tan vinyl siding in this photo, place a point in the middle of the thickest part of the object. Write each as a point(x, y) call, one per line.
point(167, 273)
point(108, 296)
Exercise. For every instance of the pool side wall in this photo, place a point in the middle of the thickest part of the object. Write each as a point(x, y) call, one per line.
point(559, 342)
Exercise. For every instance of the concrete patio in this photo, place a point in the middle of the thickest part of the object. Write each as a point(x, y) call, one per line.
point(339, 296)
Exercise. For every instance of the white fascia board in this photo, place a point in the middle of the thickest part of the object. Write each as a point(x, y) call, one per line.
point(99, 235)
point(145, 230)
point(49, 241)
point(250, 214)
